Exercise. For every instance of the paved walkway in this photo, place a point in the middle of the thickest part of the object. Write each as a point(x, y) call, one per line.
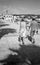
point(12, 42)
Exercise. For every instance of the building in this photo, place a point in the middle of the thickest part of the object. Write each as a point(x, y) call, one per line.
point(8, 18)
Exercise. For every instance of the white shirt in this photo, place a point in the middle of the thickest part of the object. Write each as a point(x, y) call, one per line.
point(24, 32)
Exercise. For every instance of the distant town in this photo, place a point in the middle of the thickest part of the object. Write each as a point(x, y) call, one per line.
point(10, 18)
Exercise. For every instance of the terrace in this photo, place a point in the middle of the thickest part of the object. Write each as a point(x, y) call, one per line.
point(9, 39)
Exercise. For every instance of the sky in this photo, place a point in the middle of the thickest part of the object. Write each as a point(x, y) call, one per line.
point(20, 6)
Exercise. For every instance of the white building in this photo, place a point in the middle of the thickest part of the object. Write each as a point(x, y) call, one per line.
point(8, 18)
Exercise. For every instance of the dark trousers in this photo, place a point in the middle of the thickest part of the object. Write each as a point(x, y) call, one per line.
point(21, 39)
point(31, 39)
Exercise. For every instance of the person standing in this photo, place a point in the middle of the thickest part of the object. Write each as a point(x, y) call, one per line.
point(22, 31)
point(34, 27)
